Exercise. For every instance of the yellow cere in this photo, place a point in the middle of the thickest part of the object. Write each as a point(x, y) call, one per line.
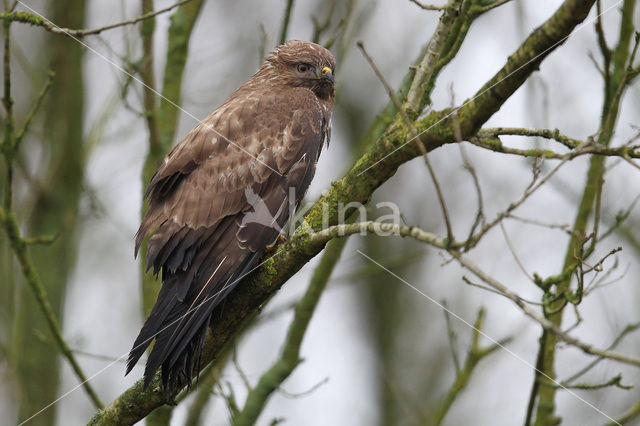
point(325, 70)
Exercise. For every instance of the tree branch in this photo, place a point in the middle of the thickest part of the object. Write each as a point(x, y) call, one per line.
point(32, 19)
point(475, 354)
point(493, 143)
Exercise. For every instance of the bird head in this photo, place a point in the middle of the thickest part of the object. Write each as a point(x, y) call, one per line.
point(302, 64)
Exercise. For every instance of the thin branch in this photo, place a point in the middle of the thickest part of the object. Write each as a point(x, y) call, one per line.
point(545, 323)
point(602, 42)
point(494, 144)
point(468, 166)
point(513, 252)
point(554, 311)
point(562, 226)
point(628, 329)
point(414, 135)
point(475, 354)
point(34, 109)
point(320, 27)
point(31, 19)
point(627, 417)
point(451, 337)
point(466, 280)
point(379, 228)
point(305, 392)
point(615, 381)
point(553, 134)
point(534, 185)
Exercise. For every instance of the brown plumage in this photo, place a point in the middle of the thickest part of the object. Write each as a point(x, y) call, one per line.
point(203, 221)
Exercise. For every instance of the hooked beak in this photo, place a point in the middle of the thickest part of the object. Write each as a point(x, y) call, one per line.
point(326, 73)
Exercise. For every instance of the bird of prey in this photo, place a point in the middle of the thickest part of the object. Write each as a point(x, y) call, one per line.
point(249, 160)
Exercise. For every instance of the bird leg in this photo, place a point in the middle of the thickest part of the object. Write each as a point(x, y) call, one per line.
point(272, 247)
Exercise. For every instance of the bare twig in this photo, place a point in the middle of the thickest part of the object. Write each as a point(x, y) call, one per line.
point(8, 139)
point(414, 135)
point(31, 19)
point(533, 186)
point(545, 323)
point(513, 252)
point(614, 381)
point(466, 280)
point(320, 27)
point(34, 109)
point(628, 329)
point(562, 226)
point(475, 354)
point(631, 414)
point(602, 42)
point(305, 392)
point(451, 337)
point(468, 166)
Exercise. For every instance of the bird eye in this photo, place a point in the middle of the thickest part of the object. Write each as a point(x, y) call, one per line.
point(303, 68)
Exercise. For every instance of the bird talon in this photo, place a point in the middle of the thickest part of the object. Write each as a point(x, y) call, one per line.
point(272, 247)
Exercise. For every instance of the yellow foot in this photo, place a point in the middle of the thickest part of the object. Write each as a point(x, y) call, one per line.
point(272, 247)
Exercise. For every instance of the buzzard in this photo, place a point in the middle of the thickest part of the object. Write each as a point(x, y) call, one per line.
point(249, 160)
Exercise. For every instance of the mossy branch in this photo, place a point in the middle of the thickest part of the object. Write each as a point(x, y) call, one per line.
point(494, 143)
point(367, 174)
point(40, 21)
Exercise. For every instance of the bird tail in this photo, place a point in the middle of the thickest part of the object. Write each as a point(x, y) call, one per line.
point(179, 326)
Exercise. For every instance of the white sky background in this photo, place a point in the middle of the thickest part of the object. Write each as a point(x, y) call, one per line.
point(102, 311)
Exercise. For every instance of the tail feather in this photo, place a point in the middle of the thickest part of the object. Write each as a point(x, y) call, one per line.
point(188, 297)
point(199, 269)
point(160, 311)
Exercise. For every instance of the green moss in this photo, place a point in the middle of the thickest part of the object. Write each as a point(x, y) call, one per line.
point(269, 268)
point(24, 17)
point(546, 153)
point(494, 143)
